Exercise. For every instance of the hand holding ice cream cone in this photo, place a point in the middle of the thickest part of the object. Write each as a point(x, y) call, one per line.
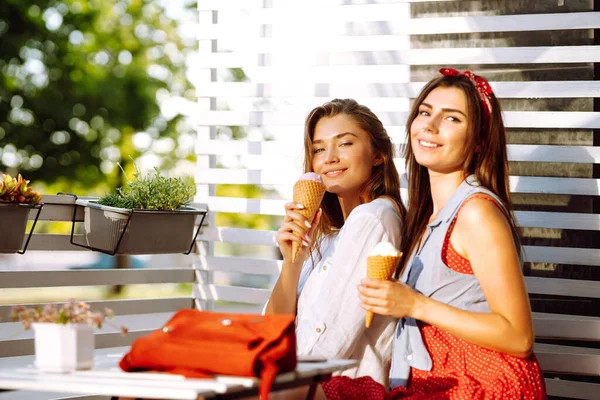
point(308, 191)
point(381, 264)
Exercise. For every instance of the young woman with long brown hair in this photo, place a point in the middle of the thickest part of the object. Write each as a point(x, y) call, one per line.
point(348, 147)
point(465, 328)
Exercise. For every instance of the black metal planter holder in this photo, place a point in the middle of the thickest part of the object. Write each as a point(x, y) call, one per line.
point(39, 207)
point(135, 211)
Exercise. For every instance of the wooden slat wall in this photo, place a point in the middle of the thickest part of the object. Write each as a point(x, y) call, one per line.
point(540, 58)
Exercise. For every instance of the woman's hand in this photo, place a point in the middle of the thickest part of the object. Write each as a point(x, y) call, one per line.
point(296, 228)
point(392, 298)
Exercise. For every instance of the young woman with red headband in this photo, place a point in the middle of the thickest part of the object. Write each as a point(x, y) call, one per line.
point(465, 329)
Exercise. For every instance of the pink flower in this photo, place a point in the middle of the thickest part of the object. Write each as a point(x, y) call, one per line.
point(70, 312)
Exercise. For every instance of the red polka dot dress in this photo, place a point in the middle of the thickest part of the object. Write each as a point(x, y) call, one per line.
point(460, 371)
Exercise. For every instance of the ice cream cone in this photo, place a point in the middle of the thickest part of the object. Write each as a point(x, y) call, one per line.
point(309, 193)
point(382, 268)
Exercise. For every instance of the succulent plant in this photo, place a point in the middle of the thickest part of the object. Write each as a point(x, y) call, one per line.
point(16, 190)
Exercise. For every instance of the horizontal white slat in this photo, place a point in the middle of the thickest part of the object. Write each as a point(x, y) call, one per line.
point(129, 306)
point(234, 5)
point(41, 395)
point(576, 186)
point(572, 389)
point(258, 266)
point(57, 242)
point(25, 279)
point(294, 120)
point(58, 200)
point(532, 219)
point(541, 219)
point(263, 266)
point(243, 176)
point(516, 152)
point(566, 327)
point(475, 24)
point(518, 184)
point(247, 206)
point(438, 56)
point(561, 255)
point(563, 287)
point(286, 89)
point(544, 153)
point(389, 12)
point(267, 152)
point(568, 359)
point(239, 235)
point(52, 212)
point(232, 293)
point(302, 104)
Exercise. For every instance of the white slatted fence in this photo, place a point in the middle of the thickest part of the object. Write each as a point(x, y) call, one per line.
point(298, 54)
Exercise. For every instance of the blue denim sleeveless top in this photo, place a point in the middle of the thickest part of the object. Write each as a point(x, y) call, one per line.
point(427, 273)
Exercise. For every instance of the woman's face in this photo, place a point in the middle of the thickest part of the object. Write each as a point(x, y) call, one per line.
point(439, 133)
point(342, 155)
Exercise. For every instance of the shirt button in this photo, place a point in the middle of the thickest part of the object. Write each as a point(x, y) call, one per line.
point(318, 330)
point(409, 357)
point(324, 267)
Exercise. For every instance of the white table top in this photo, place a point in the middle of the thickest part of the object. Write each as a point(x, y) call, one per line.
point(105, 378)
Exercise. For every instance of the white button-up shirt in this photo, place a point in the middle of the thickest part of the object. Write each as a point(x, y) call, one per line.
point(330, 322)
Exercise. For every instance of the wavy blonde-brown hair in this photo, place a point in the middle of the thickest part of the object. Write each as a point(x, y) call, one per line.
point(384, 180)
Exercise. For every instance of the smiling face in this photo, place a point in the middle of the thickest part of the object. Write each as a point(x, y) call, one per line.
point(440, 132)
point(342, 155)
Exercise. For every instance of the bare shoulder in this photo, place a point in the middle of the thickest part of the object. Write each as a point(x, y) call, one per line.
point(481, 215)
point(482, 226)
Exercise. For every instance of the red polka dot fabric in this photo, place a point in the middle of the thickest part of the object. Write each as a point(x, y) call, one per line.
point(461, 370)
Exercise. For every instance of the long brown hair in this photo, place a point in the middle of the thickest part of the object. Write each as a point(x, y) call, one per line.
point(485, 157)
point(384, 180)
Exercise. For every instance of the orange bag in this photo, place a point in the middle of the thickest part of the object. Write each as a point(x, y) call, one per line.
point(200, 343)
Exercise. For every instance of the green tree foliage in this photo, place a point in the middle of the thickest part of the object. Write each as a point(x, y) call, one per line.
point(78, 79)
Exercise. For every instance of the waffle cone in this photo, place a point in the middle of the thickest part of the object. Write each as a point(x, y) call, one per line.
point(309, 193)
point(382, 268)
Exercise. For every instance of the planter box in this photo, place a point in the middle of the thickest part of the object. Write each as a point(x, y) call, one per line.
point(123, 231)
point(14, 218)
point(63, 348)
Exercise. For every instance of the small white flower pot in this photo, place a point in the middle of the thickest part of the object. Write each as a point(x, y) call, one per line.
point(63, 348)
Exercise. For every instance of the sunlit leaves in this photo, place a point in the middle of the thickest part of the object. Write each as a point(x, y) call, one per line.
point(79, 78)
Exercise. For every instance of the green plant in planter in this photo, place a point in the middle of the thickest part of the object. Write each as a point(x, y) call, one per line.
point(152, 192)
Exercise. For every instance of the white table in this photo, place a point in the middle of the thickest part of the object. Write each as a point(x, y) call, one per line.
point(107, 379)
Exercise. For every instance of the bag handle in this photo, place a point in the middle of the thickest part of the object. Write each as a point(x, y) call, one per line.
point(267, 377)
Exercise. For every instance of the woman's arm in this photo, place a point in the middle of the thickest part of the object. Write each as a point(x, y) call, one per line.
point(333, 326)
point(481, 234)
point(293, 229)
point(284, 294)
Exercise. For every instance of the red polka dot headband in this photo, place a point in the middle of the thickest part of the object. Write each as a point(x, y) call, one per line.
point(483, 87)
